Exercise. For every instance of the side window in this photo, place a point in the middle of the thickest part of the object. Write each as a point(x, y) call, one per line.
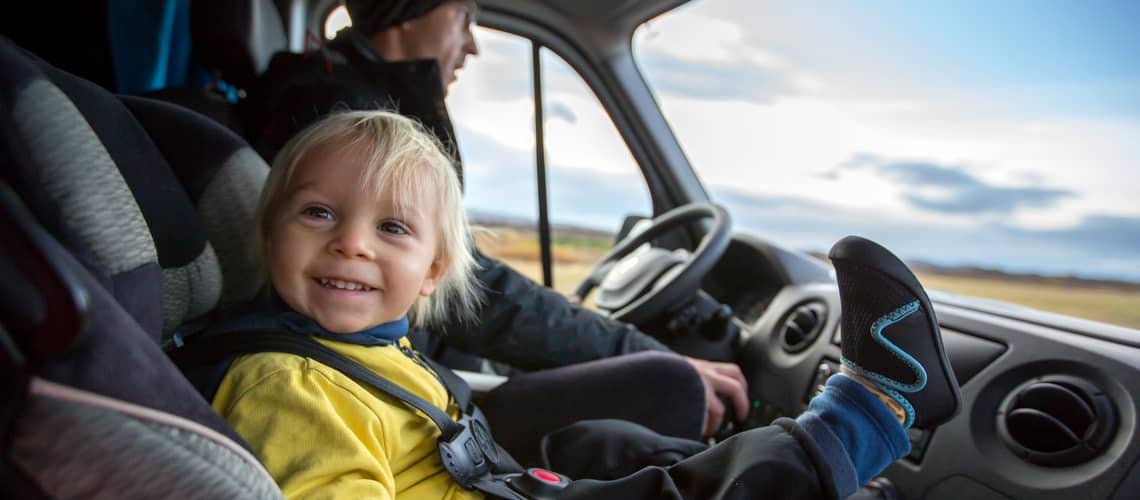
point(592, 179)
point(336, 20)
point(492, 109)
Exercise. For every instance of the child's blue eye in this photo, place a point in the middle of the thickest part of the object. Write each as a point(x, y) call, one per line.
point(318, 212)
point(393, 228)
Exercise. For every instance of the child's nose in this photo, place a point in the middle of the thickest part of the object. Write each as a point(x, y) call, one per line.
point(354, 242)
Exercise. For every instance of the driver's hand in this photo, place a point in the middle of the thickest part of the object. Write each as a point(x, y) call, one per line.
point(724, 379)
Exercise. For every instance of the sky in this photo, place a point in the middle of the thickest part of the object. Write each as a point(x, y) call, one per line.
point(993, 134)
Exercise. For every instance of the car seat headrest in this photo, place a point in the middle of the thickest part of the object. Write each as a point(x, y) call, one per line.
point(223, 177)
point(236, 38)
point(93, 177)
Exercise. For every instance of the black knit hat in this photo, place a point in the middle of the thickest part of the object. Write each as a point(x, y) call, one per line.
point(373, 16)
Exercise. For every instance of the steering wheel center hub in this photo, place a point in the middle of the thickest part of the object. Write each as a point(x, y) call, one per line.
point(638, 281)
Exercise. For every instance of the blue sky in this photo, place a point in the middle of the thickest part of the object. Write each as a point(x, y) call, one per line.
point(1042, 57)
point(995, 134)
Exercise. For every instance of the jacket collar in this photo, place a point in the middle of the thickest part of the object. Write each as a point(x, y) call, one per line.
point(355, 46)
point(269, 312)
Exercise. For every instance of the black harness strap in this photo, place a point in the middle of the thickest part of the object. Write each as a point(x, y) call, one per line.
point(203, 352)
point(466, 448)
point(454, 385)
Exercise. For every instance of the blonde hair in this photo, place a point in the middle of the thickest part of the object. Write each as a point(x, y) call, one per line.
point(400, 157)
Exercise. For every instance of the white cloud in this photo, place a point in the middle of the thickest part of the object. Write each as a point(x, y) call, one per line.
point(782, 146)
point(589, 142)
point(508, 122)
point(697, 38)
point(705, 40)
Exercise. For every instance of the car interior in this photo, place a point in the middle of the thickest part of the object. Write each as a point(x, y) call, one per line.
point(123, 220)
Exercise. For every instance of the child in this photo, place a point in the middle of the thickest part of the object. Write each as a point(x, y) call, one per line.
point(363, 232)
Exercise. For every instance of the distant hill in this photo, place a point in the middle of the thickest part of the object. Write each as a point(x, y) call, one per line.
point(998, 275)
point(525, 224)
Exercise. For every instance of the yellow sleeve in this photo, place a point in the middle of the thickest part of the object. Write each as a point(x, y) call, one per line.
point(314, 434)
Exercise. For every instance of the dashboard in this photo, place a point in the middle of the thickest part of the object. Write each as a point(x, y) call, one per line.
point(1049, 403)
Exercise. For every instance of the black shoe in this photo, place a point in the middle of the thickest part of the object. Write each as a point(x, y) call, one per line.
point(890, 335)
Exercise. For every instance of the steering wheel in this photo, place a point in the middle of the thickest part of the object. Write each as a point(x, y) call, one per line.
point(636, 283)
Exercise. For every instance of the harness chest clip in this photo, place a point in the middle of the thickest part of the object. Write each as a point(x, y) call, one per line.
point(470, 454)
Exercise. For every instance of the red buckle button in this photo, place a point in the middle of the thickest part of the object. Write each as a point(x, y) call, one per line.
point(546, 476)
point(539, 483)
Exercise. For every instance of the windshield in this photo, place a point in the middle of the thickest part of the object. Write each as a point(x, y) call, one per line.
point(993, 145)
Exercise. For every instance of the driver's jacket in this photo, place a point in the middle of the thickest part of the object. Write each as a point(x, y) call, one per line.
point(520, 322)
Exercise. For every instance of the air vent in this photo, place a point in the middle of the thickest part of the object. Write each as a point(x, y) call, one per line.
point(1057, 421)
point(802, 326)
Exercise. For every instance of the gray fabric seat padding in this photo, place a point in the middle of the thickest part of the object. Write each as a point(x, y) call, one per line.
point(227, 208)
point(76, 171)
point(191, 281)
point(77, 450)
point(223, 177)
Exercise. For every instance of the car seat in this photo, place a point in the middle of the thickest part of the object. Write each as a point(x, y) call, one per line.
point(236, 38)
point(233, 42)
point(113, 205)
point(202, 55)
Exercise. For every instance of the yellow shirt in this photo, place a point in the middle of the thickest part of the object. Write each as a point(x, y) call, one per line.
point(323, 435)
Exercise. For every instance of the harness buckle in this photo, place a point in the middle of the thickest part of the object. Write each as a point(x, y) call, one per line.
point(470, 454)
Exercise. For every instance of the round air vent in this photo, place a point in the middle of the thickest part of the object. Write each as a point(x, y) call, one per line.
point(1057, 421)
point(802, 326)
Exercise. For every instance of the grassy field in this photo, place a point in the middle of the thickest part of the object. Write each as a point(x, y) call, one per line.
point(574, 255)
point(1108, 304)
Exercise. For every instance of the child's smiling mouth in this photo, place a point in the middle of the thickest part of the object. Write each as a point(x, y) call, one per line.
point(339, 284)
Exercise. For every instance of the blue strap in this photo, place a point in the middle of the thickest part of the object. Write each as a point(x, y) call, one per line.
point(150, 44)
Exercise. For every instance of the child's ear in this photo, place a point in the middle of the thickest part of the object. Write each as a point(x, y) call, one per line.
point(434, 275)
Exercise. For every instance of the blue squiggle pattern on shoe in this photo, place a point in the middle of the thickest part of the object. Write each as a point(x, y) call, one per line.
point(891, 387)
